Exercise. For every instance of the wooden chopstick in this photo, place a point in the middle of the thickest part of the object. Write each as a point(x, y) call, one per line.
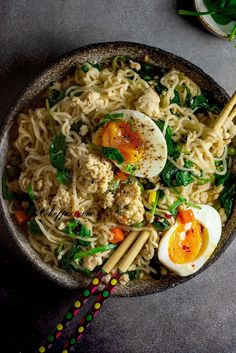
point(90, 290)
point(227, 113)
point(102, 297)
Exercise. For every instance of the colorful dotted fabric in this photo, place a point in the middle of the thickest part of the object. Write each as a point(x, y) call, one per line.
point(94, 310)
point(74, 310)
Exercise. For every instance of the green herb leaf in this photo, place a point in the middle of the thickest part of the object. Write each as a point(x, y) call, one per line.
point(72, 228)
point(34, 227)
point(110, 117)
point(31, 193)
point(175, 205)
point(81, 254)
point(113, 154)
point(63, 177)
point(134, 274)
point(55, 97)
point(58, 149)
point(131, 169)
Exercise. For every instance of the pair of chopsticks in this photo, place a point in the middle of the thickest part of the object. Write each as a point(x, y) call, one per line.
point(122, 267)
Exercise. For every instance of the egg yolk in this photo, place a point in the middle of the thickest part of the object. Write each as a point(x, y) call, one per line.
point(125, 138)
point(186, 246)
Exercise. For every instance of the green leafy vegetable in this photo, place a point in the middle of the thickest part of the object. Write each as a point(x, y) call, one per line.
point(81, 254)
point(232, 151)
point(34, 227)
point(206, 180)
point(75, 228)
point(58, 149)
point(172, 147)
point(160, 88)
point(222, 11)
point(110, 117)
point(63, 177)
point(66, 262)
point(172, 176)
point(150, 72)
point(148, 185)
point(55, 96)
point(176, 98)
point(134, 274)
point(139, 225)
point(76, 126)
point(175, 205)
point(31, 192)
point(113, 154)
point(130, 169)
point(222, 179)
point(161, 224)
point(7, 194)
point(227, 196)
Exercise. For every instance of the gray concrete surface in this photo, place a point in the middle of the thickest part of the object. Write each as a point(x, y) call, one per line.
point(198, 317)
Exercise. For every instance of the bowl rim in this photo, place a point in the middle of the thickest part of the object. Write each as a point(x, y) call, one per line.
point(212, 28)
point(8, 120)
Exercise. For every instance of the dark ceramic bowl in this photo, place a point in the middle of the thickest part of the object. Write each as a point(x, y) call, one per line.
point(100, 52)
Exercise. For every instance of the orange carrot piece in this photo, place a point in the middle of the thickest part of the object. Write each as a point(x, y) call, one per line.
point(118, 235)
point(121, 175)
point(21, 217)
point(186, 216)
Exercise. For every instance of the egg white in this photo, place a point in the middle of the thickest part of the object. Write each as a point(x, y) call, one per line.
point(155, 154)
point(210, 219)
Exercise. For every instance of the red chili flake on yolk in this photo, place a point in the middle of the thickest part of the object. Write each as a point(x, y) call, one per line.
point(125, 138)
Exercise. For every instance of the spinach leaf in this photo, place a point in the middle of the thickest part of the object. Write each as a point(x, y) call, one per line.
point(134, 274)
point(76, 126)
point(6, 193)
point(161, 224)
point(149, 72)
point(58, 149)
point(172, 147)
point(75, 228)
point(172, 176)
point(63, 177)
point(110, 117)
point(227, 197)
point(176, 98)
point(160, 88)
point(55, 96)
point(34, 227)
point(222, 179)
point(113, 154)
point(84, 232)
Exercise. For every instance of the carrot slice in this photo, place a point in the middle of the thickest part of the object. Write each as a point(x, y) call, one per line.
point(118, 235)
point(121, 175)
point(22, 217)
point(186, 216)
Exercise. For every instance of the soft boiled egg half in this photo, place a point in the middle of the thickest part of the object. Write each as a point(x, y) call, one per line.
point(139, 141)
point(185, 247)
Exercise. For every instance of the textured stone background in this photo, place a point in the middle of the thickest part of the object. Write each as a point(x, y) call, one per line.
point(198, 317)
